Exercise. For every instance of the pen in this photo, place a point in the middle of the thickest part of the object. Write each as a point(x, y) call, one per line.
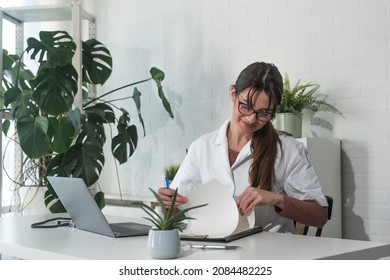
point(221, 247)
point(167, 182)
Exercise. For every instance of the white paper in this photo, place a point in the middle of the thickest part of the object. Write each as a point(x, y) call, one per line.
point(246, 222)
point(220, 217)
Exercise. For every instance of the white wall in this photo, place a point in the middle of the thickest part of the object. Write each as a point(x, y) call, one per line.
point(202, 45)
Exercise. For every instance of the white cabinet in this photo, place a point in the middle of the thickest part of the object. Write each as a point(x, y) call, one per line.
point(324, 154)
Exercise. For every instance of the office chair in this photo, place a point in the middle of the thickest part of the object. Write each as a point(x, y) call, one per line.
point(305, 230)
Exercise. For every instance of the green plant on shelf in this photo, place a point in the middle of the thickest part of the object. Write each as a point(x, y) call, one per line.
point(299, 97)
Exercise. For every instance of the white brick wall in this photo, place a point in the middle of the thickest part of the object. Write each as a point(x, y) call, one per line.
point(202, 45)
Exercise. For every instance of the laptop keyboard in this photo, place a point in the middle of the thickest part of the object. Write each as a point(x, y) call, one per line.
point(130, 228)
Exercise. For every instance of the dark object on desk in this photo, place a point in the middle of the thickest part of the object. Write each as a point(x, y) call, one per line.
point(191, 237)
point(53, 223)
point(215, 247)
point(329, 199)
point(86, 214)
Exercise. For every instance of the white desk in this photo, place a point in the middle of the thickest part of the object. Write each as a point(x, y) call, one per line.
point(19, 240)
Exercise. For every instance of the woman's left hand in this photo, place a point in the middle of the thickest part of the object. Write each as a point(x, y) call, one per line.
point(252, 197)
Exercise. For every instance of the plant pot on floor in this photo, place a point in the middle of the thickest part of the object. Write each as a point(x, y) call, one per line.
point(164, 244)
point(290, 123)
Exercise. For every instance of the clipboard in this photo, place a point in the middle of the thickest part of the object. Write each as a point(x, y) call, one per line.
point(225, 239)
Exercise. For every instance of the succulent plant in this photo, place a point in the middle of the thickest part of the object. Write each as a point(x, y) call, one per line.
point(168, 218)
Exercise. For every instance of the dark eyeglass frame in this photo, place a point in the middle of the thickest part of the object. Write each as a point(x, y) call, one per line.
point(261, 115)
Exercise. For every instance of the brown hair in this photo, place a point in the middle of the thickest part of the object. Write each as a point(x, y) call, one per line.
point(263, 77)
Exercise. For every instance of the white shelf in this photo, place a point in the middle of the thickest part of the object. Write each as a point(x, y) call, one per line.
point(72, 12)
point(43, 13)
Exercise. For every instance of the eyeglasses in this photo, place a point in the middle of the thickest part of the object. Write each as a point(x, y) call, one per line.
point(261, 115)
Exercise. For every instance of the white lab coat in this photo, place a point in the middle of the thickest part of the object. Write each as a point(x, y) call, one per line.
point(208, 158)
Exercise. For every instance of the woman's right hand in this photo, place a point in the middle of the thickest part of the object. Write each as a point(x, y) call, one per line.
point(167, 194)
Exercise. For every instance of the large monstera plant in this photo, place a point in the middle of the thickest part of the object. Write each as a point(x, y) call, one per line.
point(61, 139)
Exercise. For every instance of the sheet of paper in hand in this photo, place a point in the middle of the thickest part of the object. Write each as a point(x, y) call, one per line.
point(220, 220)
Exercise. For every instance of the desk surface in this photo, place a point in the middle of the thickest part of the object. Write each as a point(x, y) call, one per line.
point(18, 239)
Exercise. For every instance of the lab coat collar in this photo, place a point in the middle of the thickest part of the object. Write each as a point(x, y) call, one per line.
point(221, 139)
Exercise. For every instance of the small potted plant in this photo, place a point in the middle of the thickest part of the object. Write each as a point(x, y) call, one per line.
point(164, 238)
point(170, 173)
point(299, 98)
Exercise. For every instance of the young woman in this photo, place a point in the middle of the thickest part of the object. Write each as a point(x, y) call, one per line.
point(265, 170)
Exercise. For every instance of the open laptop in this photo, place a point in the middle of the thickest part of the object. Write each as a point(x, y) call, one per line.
point(86, 214)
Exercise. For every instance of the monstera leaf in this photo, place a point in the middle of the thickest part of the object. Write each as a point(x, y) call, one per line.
point(11, 95)
point(101, 112)
point(137, 102)
point(84, 160)
point(75, 118)
point(22, 103)
point(124, 144)
point(92, 132)
point(55, 88)
point(97, 62)
point(15, 72)
point(33, 135)
point(158, 76)
point(92, 128)
point(56, 166)
point(62, 132)
point(57, 47)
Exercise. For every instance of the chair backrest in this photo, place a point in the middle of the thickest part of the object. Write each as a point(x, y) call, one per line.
point(319, 230)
